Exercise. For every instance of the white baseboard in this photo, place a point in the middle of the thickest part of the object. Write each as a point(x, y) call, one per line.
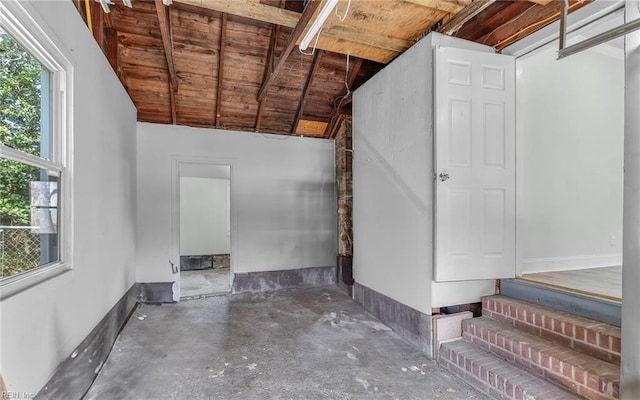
point(533, 265)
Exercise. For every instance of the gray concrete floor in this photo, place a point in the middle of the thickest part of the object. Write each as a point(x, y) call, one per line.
point(204, 281)
point(313, 343)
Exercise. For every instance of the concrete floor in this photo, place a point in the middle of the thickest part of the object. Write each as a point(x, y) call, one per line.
point(204, 281)
point(313, 343)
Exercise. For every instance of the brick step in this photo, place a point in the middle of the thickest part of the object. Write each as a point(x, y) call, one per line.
point(495, 376)
point(588, 336)
point(579, 372)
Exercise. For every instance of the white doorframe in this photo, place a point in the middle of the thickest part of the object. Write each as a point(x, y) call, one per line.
point(175, 213)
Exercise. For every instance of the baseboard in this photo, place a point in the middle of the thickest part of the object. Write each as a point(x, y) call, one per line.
point(75, 375)
point(534, 265)
point(281, 279)
point(155, 292)
point(411, 324)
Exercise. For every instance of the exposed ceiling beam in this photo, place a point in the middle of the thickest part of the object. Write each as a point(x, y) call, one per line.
point(172, 103)
point(279, 16)
point(167, 41)
point(462, 17)
point(529, 21)
point(223, 46)
point(304, 20)
point(273, 43)
point(305, 92)
point(111, 49)
point(250, 9)
point(335, 115)
point(343, 32)
point(450, 6)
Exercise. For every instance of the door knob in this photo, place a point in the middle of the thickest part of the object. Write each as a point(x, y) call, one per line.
point(443, 176)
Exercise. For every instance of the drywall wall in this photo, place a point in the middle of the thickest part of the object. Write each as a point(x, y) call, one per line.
point(393, 183)
point(570, 130)
point(204, 222)
point(283, 206)
point(41, 326)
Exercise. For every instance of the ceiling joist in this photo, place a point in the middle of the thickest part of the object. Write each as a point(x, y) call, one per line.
point(304, 20)
point(167, 41)
point(223, 46)
point(305, 92)
point(464, 16)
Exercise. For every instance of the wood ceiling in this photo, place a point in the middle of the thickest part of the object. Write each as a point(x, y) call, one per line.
point(235, 64)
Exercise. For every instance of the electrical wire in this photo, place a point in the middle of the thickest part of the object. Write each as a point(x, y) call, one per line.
point(346, 12)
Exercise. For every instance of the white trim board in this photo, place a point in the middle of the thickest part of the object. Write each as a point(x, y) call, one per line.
point(534, 265)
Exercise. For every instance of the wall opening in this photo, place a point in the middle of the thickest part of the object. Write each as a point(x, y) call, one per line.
point(570, 165)
point(204, 229)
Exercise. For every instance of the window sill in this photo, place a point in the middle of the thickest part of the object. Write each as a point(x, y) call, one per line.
point(15, 284)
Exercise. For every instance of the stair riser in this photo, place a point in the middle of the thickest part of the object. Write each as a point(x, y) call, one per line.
point(598, 344)
point(548, 362)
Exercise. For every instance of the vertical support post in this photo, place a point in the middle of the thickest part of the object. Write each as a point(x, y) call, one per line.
point(630, 366)
point(344, 189)
point(564, 10)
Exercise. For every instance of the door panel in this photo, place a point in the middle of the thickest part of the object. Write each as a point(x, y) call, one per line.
point(475, 165)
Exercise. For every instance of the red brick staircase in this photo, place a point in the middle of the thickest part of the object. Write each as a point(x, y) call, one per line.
point(520, 350)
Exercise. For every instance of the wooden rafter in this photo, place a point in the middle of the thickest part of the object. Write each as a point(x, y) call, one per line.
point(304, 20)
point(335, 115)
point(273, 43)
point(97, 23)
point(223, 46)
point(167, 41)
point(305, 92)
point(164, 21)
point(529, 21)
point(111, 48)
point(462, 17)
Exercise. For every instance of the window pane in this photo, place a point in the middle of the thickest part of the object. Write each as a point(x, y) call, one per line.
point(25, 98)
point(29, 214)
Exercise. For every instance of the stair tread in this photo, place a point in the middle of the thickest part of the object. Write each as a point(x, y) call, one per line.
point(586, 323)
point(534, 386)
point(579, 359)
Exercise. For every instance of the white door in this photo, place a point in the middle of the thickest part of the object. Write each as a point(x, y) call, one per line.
point(474, 165)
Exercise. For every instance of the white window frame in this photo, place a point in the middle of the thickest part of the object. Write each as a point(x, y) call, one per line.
point(24, 25)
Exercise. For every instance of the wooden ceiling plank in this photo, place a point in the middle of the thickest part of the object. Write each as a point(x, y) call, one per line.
point(449, 6)
point(250, 9)
point(307, 14)
point(305, 92)
point(464, 16)
point(541, 2)
point(335, 114)
point(223, 46)
point(167, 41)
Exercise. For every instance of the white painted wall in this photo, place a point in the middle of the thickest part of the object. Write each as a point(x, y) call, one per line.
point(203, 216)
point(283, 206)
point(393, 183)
point(571, 128)
point(41, 326)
